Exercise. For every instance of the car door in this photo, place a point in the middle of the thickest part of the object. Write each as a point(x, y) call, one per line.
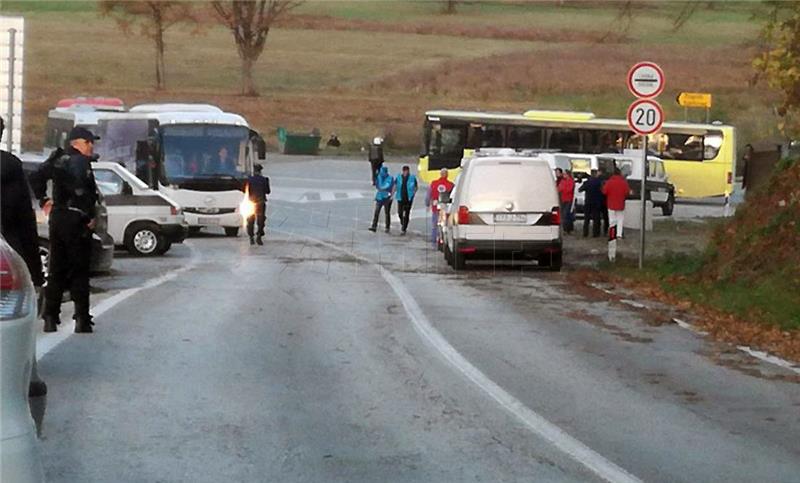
point(657, 185)
point(120, 202)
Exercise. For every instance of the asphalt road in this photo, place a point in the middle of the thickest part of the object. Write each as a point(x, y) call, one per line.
point(336, 354)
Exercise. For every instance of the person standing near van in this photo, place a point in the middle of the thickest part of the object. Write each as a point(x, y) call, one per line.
point(616, 190)
point(566, 194)
point(18, 226)
point(593, 204)
point(257, 191)
point(432, 200)
point(72, 220)
point(406, 186)
point(383, 198)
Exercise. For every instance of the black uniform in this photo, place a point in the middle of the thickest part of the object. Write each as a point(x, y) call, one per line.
point(258, 189)
point(17, 218)
point(74, 200)
point(375, 160)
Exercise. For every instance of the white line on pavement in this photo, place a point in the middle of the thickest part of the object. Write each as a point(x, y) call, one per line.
point(47, 342)
point(540, 426)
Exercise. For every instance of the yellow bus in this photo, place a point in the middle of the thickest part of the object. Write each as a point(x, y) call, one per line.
point(700, 159)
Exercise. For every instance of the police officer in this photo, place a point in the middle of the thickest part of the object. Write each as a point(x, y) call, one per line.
point(257, 189)
point(375, 157)
point(72, 219)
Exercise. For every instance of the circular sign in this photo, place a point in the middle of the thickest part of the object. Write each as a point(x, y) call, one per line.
point(645, 116)
point(646, 80)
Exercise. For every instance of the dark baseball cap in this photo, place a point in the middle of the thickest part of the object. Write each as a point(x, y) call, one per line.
point(79, 132)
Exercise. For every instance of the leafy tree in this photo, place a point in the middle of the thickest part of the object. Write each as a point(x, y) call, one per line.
point(779, 63)
point(250, 21)
point(153, 17)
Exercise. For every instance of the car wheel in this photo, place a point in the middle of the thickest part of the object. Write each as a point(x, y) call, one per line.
point(667, 208)
point(164, 248)
point(459, 261)
point(231, 231)
point(143, 239)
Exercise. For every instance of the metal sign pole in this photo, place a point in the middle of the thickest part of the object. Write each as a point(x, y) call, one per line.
point(643, 193)
point(12, 38)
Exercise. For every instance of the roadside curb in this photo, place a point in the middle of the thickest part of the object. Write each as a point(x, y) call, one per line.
point(755, 353)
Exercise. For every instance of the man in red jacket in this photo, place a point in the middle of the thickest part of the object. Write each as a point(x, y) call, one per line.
point(432, 200)
point(566, 193)
point(616, 190)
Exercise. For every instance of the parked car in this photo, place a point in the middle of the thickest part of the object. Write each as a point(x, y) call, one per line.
point(19, 457)
point(142, 220)
point(504, 207)
point(102, 243)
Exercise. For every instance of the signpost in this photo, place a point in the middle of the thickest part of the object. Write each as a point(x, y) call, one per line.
point(645, 117)
point(694, 99)
point(12, 36)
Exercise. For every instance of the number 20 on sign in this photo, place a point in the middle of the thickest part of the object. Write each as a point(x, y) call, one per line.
point(645, 116)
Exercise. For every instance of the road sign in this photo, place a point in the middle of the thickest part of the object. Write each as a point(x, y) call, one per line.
point(646, 80)
point(694, 99)
point(645, 116)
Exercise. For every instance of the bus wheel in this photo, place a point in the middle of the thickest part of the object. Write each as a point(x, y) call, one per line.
point(231, 231)
point(667, 208)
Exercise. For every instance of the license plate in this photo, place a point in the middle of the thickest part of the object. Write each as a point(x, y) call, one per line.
point(510, 218)
point(208, 221)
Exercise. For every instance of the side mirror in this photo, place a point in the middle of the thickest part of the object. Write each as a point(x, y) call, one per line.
point(126, 189)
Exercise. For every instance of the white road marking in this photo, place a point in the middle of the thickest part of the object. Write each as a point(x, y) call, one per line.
point(47, 342)
point(536, 423)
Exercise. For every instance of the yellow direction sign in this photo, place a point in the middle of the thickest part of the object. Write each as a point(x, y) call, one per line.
point(694, 99)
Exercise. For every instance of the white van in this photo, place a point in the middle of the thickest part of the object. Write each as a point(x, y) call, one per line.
point(504, 207)
point(142, 220)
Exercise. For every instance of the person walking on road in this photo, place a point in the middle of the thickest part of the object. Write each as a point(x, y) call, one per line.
point(616, 190)
point(18, 226)
point(383, 198)
point(375, 157)
point(432, 200)
point(257, 191)
point(406, 186)
point(72, 219)
point(592, 204)
point(566, 194)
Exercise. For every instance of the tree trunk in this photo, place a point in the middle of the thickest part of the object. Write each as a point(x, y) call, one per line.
point(159, 44)
point(248, 86)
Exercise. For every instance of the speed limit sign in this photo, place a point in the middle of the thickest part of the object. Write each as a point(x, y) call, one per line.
point(645, 116)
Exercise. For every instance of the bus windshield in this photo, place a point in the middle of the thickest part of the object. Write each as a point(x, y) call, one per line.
point(205, 151)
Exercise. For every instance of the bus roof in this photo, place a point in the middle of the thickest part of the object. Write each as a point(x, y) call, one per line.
point(564, 119)
point(181, 117)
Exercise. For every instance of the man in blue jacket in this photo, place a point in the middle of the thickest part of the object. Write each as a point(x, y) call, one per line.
point(257, 190)
point(383, 198)
point(406, 186)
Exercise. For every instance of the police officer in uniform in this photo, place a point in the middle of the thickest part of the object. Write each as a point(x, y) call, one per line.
point(72, 219)
point(257, 189)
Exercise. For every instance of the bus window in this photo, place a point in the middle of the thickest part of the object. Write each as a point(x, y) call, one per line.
point(601, 141)
point(684, 147)
point(520, 137)
point(447, 140)
point(565, 140)
point(492, 137)
point(711, 144)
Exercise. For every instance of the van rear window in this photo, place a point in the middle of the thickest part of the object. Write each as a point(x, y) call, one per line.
point(529, 186)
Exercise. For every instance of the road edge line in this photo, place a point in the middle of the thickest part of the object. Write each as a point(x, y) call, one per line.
point(573, 448)
point(50, 341)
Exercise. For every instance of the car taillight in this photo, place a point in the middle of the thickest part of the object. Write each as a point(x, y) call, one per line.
point(15, 285)
point(555, 216)
point(463, 215)
point(730, 177)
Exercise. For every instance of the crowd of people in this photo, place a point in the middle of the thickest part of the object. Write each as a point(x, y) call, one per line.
point(604, 199)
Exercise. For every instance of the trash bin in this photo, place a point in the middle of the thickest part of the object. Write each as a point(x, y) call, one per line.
point(297, 143)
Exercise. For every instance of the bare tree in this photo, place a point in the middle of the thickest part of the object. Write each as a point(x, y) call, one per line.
point(154, 17)
point(449, 6)
point(250, 21)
